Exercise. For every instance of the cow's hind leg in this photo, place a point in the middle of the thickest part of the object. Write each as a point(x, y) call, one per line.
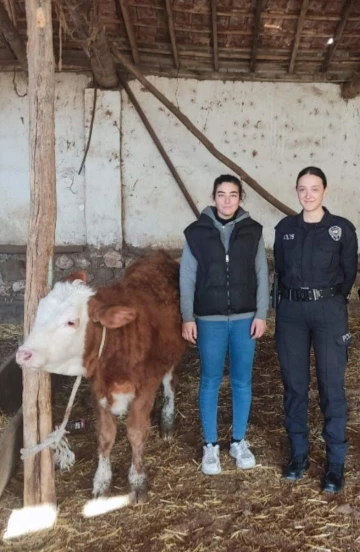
point(168, 409)
point(106, 427)
point(138, 425)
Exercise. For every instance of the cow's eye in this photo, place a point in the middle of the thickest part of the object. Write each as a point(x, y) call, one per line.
point(73, 323)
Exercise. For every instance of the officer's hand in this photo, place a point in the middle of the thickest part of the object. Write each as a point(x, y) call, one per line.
point(258, 328)
point(189, 331)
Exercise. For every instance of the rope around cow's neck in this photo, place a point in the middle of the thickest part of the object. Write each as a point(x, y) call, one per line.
point(64, 458)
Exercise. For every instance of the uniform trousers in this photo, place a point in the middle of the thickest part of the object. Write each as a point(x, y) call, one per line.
point(324, 325)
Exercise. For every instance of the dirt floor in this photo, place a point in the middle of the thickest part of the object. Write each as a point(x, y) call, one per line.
point(187, 511)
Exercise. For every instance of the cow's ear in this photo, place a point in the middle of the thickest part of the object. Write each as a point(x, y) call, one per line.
point(80, 275)
point(111, 316)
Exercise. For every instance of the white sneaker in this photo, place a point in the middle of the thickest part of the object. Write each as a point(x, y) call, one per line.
point(242, 454)
point(210, 464)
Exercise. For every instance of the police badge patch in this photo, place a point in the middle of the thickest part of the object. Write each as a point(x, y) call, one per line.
point(335, 232)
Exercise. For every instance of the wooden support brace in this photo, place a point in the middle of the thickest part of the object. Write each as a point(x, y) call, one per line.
point(159, 146)
point(200, 136)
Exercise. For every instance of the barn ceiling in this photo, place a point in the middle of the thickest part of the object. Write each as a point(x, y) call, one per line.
point(284, 40)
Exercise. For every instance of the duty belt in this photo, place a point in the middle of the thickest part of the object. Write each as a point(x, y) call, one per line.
point(306, 294)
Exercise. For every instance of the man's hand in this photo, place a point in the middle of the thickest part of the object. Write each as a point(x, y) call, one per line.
point(189, 331)
point(258, 328)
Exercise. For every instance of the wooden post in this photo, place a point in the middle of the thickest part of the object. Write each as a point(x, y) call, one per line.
point(39, 484)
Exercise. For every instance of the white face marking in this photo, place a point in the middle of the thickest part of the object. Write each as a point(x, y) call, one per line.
point(103, 476)
point(121, 403)
point(169, 398)
point(57, 340)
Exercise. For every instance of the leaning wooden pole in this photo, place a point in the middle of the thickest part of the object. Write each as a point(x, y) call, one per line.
point(39, 485)
point(200, 136)
point(159, 146)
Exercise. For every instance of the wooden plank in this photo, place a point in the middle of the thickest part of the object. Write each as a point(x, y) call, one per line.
point(256, 34)
point(172, 34)
point(129, 30)
point(338, 34)
point(8, 249)
point(299, 28)
point(214, 34)
point(39, 482)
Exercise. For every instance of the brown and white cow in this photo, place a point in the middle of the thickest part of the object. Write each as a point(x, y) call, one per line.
point(126, 339)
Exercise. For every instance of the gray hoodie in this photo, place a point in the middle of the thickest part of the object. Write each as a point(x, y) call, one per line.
point(188, 270)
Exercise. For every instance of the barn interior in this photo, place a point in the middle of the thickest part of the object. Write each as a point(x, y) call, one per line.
point(152, 100)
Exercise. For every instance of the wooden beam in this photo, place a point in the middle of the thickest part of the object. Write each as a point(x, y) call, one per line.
point(171, 27)
point(200, 136)
point(256, 34)
point(39, 482)
point(87, 27)
point(338, 34)
point(124, 7)
point(214, 34)
point(10, 6)
point(351, 88)
point(159, 146)
point(12, 37)
point(300, 24)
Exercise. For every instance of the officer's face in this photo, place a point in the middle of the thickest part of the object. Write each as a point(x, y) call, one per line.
point(227, 199)
point(310, 190)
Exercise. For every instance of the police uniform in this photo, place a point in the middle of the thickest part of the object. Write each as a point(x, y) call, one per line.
point(317, 266)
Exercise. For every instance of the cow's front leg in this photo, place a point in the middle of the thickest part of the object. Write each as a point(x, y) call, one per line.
point(106, 428)
point(138, 425)
point(168, 410)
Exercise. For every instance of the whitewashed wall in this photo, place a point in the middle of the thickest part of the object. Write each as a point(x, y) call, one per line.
point(271, 130)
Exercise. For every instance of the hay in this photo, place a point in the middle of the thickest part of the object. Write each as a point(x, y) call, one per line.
point(242, 511)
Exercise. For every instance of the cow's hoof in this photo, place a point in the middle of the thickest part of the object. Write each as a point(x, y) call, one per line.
point(138, 496)
point(167, 432)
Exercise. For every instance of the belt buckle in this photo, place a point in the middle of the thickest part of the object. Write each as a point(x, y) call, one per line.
point(304, 294)
point(317, 294)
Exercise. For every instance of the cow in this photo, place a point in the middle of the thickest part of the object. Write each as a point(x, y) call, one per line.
point(126, 339)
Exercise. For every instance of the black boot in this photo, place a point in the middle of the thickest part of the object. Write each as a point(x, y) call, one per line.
point(296, 467)
point(334, 479)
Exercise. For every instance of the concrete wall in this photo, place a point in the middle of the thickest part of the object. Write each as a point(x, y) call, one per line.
point(272, 130)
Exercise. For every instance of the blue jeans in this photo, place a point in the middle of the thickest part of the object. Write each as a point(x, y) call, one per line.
point(214, 340)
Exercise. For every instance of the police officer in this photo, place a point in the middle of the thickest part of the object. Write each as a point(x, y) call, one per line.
point(316, 260)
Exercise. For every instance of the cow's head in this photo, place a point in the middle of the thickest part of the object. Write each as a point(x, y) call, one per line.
point(56, 342)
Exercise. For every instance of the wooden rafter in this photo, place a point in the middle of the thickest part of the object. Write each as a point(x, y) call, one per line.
point(12, 37)
point(214, 34)
point(300, 24)
point(85, 25)
point(171, 26)
point(338, 34)
point(256, 34)
point(124, 7)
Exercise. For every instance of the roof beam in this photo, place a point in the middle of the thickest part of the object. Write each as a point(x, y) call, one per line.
point(13, 38)
point(256, 34)
point(214, 33)
point(300, 24)
point(124, 7)
point(351, 88)
point(338, 34)
point(89, 30)
point(171, 25)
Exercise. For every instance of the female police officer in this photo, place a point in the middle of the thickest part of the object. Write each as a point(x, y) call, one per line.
point(316, 260)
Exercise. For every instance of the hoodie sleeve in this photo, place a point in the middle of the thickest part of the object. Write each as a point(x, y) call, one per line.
point(262, 294)
point(188, 270)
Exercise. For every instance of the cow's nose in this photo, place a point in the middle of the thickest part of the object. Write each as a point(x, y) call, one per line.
point(24, 356)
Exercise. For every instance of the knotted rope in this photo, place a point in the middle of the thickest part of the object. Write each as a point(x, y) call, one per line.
point(64, 457)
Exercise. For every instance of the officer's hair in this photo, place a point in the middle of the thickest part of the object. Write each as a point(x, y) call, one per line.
point(314, 171)
point(228, 178)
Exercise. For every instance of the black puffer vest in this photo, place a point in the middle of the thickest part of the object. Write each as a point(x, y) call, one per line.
point(225, 283)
